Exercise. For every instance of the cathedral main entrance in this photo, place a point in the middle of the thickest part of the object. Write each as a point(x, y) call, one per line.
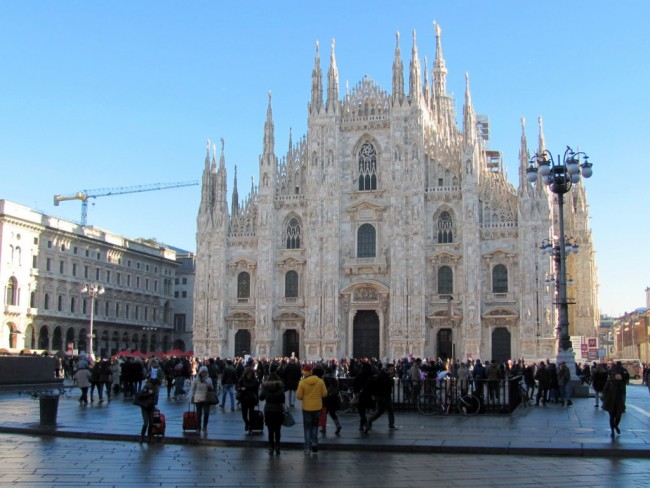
point(501, 345)
point(242, 342)
point(290, 343)
point(365, 334)
point(444, 344)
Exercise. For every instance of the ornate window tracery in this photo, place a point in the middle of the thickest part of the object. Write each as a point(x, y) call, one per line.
point(293, 234)
point(445, 228)
point(367, 167)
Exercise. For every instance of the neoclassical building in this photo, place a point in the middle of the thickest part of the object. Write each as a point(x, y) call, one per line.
point(386, 230)
point(45, 262)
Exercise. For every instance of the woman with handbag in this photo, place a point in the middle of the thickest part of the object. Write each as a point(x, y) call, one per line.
point(273, 394)
point(200, 387)
point(146, 400)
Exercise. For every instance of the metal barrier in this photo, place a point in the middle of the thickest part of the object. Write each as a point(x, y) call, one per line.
point(497, 397)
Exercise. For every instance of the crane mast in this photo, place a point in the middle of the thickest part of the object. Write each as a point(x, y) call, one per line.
point(85, 195)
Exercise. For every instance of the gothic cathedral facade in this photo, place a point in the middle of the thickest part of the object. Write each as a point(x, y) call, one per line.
point(387, 230)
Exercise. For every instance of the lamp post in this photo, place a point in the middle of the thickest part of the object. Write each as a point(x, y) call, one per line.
point(92, 290)
point(560, 175)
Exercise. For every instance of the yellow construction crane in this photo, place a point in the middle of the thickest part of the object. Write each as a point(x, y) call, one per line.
point(85, 195)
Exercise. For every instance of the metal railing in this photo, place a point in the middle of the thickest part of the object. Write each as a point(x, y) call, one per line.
point(498, 397)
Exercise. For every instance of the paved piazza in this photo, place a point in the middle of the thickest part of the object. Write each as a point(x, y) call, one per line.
point(58, 462)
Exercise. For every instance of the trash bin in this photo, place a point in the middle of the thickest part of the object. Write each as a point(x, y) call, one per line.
point(49, 404)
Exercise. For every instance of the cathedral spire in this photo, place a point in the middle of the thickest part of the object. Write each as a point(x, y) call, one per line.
point(524, 157)
point(207, 156)
point(398, 73)
point(415, 75)
point(316, 85)
point(332, 83)
point(439, 69)
point(269, 131)
point(234, 204)
point(469, 119)
point(290, 151)
point(426, 82)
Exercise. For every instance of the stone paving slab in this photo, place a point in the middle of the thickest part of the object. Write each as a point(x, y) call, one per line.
point(580, 430)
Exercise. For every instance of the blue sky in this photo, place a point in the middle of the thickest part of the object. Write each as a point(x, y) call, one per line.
point(112, 94)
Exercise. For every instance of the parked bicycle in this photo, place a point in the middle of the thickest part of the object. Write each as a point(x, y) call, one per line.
point(438, 400)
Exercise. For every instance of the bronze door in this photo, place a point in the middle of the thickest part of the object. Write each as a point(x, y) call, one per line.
point(290, 343)
point(365, 334)
point(501, 345)
point(242, 342)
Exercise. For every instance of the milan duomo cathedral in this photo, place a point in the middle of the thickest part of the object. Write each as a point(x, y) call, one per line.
point(386, 231)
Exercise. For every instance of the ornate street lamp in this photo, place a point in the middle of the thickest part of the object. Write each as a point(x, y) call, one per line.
point(560, 175)
point(92, 290)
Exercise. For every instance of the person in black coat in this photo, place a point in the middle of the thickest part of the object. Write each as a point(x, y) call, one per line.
point(363, 391)
point(248, 389)
point(273, 394)
point(332, 402)
point(543, 378)
point(383, 391)
point(291, 376)
point(614, 394)
point(598, 380)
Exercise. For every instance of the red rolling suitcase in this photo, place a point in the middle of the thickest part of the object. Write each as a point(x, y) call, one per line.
point(190, 420)
point(159, 423)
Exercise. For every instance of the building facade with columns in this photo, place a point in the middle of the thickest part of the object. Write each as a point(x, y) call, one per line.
point(386, 230)
point(44, 264)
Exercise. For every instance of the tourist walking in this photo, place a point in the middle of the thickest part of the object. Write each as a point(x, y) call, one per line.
point(543, 381)
point(82, 378)
point(332, 402)
point(248, 391)
point(598, 380)
point(383, 392)
point(273, 395)
point(200, 386)
point(564, 383)
point(311, 391)
point(228, 382)
point(291, 376)
point(614, 400)
point(146, 399)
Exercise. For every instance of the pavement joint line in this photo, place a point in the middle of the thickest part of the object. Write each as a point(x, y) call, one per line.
point(612, 450)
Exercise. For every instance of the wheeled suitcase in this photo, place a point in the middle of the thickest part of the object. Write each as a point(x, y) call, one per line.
point(159, 423)
point(190, 420)
point(256, 422)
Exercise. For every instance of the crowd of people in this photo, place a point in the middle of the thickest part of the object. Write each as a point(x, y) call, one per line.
point(245, 382)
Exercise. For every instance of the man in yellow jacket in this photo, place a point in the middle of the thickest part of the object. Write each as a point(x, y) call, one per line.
point(311, 391)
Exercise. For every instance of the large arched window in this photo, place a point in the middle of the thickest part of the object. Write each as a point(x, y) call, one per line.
point(12, 292)
point(293, 234)
point(243, 285)
point(445, 228)
point(445, 280)
point(291, 284)
point(367, 167)
point(499, 279)
point(366, 241)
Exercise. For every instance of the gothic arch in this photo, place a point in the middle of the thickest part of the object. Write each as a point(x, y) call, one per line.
point(445, 229)
point(292, 232)
point(366, 156)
